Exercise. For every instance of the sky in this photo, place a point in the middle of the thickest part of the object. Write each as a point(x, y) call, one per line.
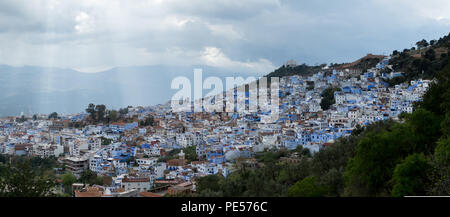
point(251, 35)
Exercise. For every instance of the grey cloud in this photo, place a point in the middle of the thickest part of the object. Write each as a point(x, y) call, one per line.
point(176, 32)
point(236, 10)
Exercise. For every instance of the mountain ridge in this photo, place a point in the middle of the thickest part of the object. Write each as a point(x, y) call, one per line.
point(34, 89)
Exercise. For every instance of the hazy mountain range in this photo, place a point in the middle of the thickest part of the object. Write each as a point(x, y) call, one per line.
point(31, 89)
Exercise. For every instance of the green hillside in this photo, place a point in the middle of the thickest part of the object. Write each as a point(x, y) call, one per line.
point(389, 158)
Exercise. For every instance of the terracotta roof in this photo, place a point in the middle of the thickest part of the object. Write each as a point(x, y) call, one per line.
point(327, 144)
point(184, 184)
point(149, 194)
point(118, 123)
point(19, 147)
point(136, 179)
point(166, 181)
point(176, 162)
point(88, 194)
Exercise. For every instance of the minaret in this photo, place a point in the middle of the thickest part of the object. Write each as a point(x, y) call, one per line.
point(181, 155)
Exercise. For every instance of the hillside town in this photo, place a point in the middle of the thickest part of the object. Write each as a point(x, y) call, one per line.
point(152, 161)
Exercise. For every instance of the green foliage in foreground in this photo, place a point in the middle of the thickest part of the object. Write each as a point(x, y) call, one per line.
point(21, 180)
point(409, 176)
point(67, 180)
point(308, 187)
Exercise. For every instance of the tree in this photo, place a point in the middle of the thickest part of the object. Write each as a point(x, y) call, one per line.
point(440, 175)
point(328, 97)
point(88, 177)
point(303, 151)
point(67, 180)
point(4, 159)
point(97, 112)
point(190, 153)
point(106, 141)
point(113, 116)
point(437, 98)
point(132, 160)
point(302, 69)
point(22, 181)
point(53, 115)
point(377, 154)
point(430, 54)
point(208, 183)
point(123, 111)
point(432, 42)
point(308, 187)
point(442, 151)
point(335, 156)
point(100, 111)
point(149, 121)
point(333, 182)
point(425, 127)
point(310, 85)
point(21, 119)
point(410, 176)
point(91, 111)
point(421, 44)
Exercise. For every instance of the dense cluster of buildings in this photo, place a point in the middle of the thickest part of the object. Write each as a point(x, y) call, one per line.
point(133, 154)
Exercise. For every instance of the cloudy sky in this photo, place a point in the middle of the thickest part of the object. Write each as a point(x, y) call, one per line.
point(252, 35)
